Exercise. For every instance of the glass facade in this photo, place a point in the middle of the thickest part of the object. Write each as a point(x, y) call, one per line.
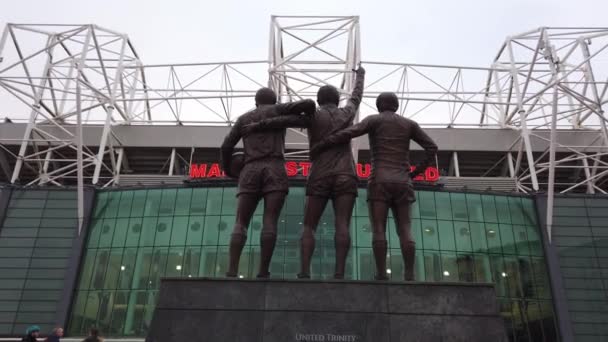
point(138, 236)
point(36, 239)
point(580, 234)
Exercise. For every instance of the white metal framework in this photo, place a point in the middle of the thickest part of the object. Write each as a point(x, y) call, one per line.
point(59, 77)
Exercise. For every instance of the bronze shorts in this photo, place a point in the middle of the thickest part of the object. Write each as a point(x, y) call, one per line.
point(263, 176)
point(390, 192)
point(332, 186)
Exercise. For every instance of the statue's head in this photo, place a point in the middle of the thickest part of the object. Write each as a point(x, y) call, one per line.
point(328, 94)
point(387, 101)
point(265, 96)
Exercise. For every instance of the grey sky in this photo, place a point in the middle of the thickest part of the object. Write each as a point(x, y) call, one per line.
point(439, 32)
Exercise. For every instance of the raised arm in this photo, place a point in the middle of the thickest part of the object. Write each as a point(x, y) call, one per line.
point(357, 94)
point(227, 147)
point(307, 107)
point(344, 135)
point(429, 146)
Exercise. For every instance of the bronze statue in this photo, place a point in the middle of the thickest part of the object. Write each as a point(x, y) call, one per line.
point(389, 185)
point(262, 176)
point(332, 174)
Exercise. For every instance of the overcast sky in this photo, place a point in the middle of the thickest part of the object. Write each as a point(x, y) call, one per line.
point(431, 31)
point(465, 32)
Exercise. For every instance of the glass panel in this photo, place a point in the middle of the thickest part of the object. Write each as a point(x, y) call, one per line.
point(100, 204)
point(214, 201)
point(148, 231)
point(158, 266)
point(139, 203)
point(502, 208)
point(180, 230)
point(198, 203)
point(521, 240)
point(208, 262)
point(474, 207)
point(449, 267)
point(463, 236)
point(120, 232)
point(142, 268)
point(361, 208)
point(101, 263)
point(443, 205)
point(182, 204)
point(175, 262)
point(489, 208)
point(430, 234)
point(426, 202)
point(363, 232)
point(446, 236)
point(224, 229)
point(191, 263)
point(153, 203)
point(113, 204)
point(466, 267)
point(134, 232)
point(114, 268)
point(507, 239)
point(516, 210)
point(107, 233)
point(229, 201)
point(493, 238)
point(89, 317)
point(167, 202)
point(459, 206)
point(534, 241)
point(195, 230)
point(529, 212)
point(432, 266)
point(163, 231)
point(128, 268)
point(210, 235)
point(294, 203)
point(119, 313)
point(126, 200)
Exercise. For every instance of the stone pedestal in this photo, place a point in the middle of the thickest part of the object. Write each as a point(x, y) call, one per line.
point(224, 310)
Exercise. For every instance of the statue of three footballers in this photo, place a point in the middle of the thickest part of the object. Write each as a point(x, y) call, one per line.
point(332, 174)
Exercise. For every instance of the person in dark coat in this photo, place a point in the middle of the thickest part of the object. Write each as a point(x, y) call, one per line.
point(93, 336)
point(32, 334)
point(55, 336)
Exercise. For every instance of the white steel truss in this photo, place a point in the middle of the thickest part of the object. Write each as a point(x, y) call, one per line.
point(58, 77)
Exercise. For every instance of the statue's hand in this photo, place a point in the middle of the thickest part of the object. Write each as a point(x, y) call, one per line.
point(360, 70)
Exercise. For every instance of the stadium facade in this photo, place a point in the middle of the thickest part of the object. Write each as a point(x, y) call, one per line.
point(111, 182)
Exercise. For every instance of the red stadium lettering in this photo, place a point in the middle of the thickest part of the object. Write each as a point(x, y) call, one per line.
point(198, 170)
point(291, 168)
point(213, 170)
point(305, 168)
point(364, 170)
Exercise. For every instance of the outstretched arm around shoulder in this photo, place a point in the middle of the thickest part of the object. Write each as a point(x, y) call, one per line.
point(343, 136)
point(278, 122)
point(291, 114)
point(307, 107)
